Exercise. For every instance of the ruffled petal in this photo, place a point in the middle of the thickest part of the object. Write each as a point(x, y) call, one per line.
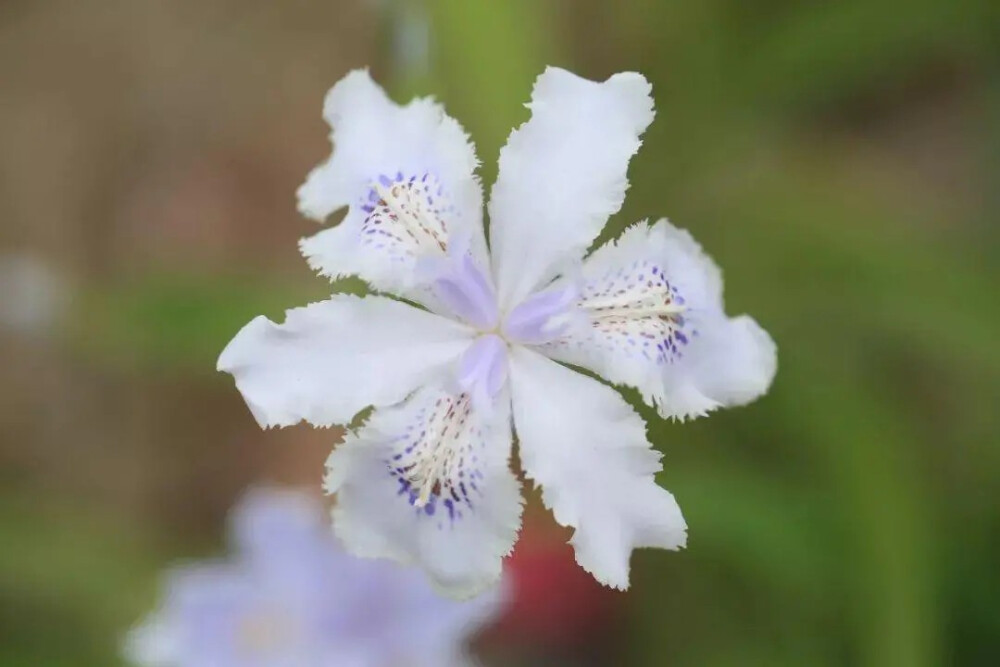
point(733, 362)
point(332, 359)
point(654, 320)
point(562, 174)
point(587, 449)
point(406, 174)
point(428, 483)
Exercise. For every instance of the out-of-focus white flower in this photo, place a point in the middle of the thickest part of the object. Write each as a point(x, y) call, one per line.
point(426, 480)
point(33, 295)
point(290, 597)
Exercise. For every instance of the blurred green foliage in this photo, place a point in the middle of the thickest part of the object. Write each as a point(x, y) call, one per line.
point(178, 324)
point(71, 580)
point(846, 518)
point(849, 518)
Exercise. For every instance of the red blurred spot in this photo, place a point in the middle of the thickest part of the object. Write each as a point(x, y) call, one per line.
point(554, 601)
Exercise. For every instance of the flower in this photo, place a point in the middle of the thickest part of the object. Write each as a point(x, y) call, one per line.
point(291, 597)
point(467, 349)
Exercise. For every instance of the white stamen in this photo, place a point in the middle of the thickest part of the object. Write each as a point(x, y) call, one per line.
point(427, 470)
point(417, 224)
point(623, 310)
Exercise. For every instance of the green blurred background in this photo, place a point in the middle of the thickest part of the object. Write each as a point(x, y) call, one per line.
point(838, 159)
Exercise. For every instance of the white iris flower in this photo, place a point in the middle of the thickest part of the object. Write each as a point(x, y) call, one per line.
point(427, 479)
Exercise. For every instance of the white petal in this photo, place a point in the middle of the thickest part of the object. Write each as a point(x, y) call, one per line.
point(428, 483)
point(407, 175)
point(655, 321)
point(587, 449)
point(733, 364)
point(562, 174)
point(332, 359)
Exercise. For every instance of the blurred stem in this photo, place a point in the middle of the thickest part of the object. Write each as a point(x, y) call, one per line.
point(487, 54)
point(405, 47)
point(883, 513)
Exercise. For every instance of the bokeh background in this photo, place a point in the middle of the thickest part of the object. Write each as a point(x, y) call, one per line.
point(840, 160)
